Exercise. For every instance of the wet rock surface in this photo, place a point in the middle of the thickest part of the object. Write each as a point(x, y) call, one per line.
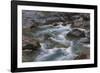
point(49, 36)
point(75, 34)
point(85, 40)
point(30, 48)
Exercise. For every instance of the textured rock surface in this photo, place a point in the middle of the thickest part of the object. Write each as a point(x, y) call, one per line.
point(75, 34)
point(30, 48)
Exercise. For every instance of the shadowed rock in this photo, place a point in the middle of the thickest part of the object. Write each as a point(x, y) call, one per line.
point(30, 49)
point(33, 47)
point(30, 43)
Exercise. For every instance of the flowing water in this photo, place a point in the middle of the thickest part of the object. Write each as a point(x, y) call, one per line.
point(54, 46)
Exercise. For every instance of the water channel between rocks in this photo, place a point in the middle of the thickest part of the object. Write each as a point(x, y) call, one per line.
point(55, 43)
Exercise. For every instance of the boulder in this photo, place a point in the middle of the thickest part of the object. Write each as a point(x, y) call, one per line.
point(77, 22)
point(84, 40)
point(81, 56)
point(75, 34)
point(29, 55)
point(32, 46)
point(86, 16)
point(81, 21)
point(86, 25)
point(30, 43)
point(84, 52)
point(30, 49)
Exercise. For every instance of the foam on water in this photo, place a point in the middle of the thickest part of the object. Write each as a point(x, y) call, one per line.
point(56, 53)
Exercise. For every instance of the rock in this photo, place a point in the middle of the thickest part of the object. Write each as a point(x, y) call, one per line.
point(83, 52)
point(30, 48)
point(81, 21)
point(34, 24)
point(81, 56)
point(75, 17)
point(64, 24)
point(88, 34)
point(86, 25)
point(84, 40)
point(58, 23)
point(30, 43)
point(29, 55)
point(26, 32)
point(77, 22)
point(75, 34)
point(86, 16)
point(55, 24)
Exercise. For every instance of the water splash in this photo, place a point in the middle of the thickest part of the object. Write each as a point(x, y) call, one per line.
point(58, 37)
